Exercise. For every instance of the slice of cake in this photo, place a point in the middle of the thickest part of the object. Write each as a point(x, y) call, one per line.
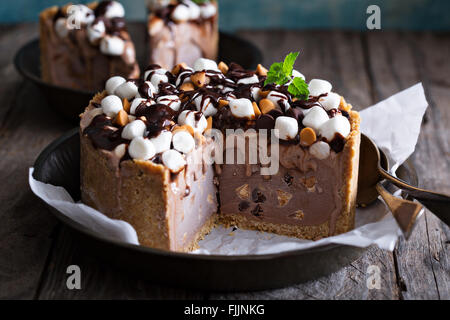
point(182, 31)
point(82, 46)
point(148, 149)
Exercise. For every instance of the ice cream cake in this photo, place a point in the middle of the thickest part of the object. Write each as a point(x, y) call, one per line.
point(147, 147)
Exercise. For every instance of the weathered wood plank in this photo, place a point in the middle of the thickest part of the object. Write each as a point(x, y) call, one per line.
point(98, 280)
point(26, 228)
point(397, 61)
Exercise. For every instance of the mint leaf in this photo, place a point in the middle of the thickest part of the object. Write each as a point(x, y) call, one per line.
point(280, 72)
point(288, 63)
point(299, 89)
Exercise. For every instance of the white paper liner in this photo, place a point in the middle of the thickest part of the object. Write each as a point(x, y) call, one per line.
point(394, 125)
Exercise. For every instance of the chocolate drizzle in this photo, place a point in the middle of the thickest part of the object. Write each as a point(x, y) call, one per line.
point(103, 134)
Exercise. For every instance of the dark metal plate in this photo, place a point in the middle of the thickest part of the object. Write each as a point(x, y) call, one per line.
point(59, 165)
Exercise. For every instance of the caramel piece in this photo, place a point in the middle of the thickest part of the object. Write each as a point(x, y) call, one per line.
point(199, 79)
point(121, 118)
point(263, 94)
point(265, 105)
point(261, 71)
point(223, 67)
point(188, 86)
point(209, 121)
point(256, 109)
point(243, 192)
point(184, 127)
point(307, 136)
point(126, 105)
point(223, 103)
point(178, 67)
point(283, 197)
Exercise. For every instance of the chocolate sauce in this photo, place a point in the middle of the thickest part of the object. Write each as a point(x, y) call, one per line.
point(338, 143)
point(103, 134)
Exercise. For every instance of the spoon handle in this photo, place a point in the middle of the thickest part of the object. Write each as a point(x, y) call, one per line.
point(404, 211)
point(437, 203)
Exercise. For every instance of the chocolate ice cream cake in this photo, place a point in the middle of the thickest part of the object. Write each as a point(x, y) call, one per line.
point(182, 31)
point(164, 154)
point(82, 46)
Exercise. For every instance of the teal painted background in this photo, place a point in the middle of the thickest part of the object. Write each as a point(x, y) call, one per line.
point(278, 14)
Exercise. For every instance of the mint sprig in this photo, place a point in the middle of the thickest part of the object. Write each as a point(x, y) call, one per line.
point(281, 73)
point(299, 89)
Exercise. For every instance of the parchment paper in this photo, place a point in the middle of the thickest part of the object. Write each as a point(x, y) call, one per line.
point(394, 124)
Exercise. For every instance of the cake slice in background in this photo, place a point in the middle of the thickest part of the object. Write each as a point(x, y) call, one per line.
point(182, 31)
point(82, 46)
point(143, 143)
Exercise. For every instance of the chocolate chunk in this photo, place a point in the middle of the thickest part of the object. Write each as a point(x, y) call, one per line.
point(257, 210)
point(243, 205)
point(345, 114)
point(275, 113)
point(265, 121)
point(333, 112)
point(258, 196)
point(338, 143)
point(288, 179)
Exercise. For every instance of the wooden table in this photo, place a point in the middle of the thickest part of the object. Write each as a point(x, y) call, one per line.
point(35, 249)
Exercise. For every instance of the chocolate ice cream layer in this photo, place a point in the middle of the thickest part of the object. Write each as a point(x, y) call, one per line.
point(305, 192)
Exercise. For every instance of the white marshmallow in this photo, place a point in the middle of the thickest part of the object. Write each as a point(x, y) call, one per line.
point(157, 78)
point(185, 78)
point(249, 80)
point(337, 124)
point(188, 117)
point(79, 14)
point(181, 13)
point(134, 129)
point(154, 71)
point(242, 108)
point(183, 141)
point(320, 150)
point(205, 106)
point(151, 91)
point(331, 101)
point(162, 141)
point(61, 28)
point(287, 128)
point(296, 74)
point(113, 82)
point(141, 149)
point(277, 98)
point(135, 103)
point(126, 90)
point(208, 10)
point(256, 93)
point(115, 10)
point(96, 31)
point(317, 87)
point(205, 64)
point(112, 46)
point(315, 118)
point(173, 160)
point(194, 10)
point(111, 105)
point(172, 101)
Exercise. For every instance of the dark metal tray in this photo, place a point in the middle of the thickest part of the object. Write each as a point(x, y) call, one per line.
point(59, 164)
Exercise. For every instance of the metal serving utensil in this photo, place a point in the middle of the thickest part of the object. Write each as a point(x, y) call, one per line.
point(371, 163)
